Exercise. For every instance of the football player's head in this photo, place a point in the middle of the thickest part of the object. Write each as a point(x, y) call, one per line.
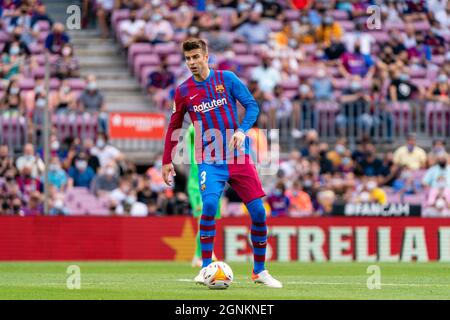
point(196, 55)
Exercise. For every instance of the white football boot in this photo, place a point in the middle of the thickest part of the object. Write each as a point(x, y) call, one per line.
point(265, 278)
point(200, 278)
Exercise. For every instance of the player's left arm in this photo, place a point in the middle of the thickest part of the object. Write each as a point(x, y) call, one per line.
point(240, 91)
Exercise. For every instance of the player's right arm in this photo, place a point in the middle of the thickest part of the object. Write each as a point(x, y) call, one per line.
point(172, 135)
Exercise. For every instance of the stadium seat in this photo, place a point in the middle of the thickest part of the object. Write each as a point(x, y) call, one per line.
point(138, 49)
point(143, 60)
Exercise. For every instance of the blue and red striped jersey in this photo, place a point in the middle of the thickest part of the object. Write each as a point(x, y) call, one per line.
point(211, 105)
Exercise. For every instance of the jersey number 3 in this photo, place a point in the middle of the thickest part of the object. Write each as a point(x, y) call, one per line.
point(203, 176)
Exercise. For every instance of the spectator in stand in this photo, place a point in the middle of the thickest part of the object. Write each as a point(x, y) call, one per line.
point(439, 208)
point(354, 108)
point(92, 101)
point(322, 86)
point(132, 30)
point(229, 62)
point(65, 100)
point(67, 66)
point(357, 63)
point(272, 10)
point(104, 11)
point(366, 40)
point(334, 51)
point(158, 29)
point(209, 19)
point(300, 201)
point(56, 39)
point(31, 160)
point(402, 89)
point(254, 31)
point(439, 174)
point(146, 194)
point(15, 41)
point(160, 85)
point(6, 161)
point(325, 201)
point(80, 175)
point(35, 205)
point(105, 152)
point(56, 175)
point(438, 147)
point(277, 108)
point(267, 76)
point(371, 165)
point(410, 155)
point(183, 17)
point(27, 183)
point(40, 14)
point(440, 90)
point(337, 154)
point(278, 201)
point(328, 29)
point(106, 181)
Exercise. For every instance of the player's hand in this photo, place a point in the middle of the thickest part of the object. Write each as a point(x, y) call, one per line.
point(237, 140)
point(168, 169)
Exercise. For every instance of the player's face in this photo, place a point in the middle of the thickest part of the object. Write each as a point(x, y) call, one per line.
point(196, 60)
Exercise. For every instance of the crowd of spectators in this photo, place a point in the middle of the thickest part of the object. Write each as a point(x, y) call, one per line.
point(313, 50)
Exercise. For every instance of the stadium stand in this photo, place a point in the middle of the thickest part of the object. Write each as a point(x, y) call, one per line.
point(345, 95)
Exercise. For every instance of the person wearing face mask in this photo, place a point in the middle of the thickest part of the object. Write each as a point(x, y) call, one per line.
point(124, 189)
point(327, 29)
point(300, 201)
point(278, 201)
point(57, 206)
point(438, 147)
point(66, 99)
point(56, 175)
point(132, 30)
point(66, 66)
point(402, 89)
point(56, 39)
point(438, 176)
point(266, 76)
point(440, 90)
point(106, 181)
point(32, 160)
point(27, 183)
point(80, 175)
point(410, 155)
point(253, 31)
point(92, 101)
point(158, 29)
point(160, 85)
point(105, 152)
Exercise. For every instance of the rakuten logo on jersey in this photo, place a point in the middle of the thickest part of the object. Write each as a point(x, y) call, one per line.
point(210, 105)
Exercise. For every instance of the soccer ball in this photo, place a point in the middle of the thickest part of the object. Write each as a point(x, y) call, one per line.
point(218, 275)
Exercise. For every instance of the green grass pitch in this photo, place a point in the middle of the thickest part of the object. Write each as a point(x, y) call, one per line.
point(172, 281)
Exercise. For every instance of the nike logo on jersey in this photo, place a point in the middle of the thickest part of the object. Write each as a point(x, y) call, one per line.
point(193, 97)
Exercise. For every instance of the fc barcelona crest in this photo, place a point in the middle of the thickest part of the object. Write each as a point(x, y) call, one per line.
point(203, 187)
point(220, 88)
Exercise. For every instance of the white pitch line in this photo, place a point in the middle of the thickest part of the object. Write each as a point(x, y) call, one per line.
point(382, 284)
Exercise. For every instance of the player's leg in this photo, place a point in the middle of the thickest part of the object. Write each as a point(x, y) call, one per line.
point(245, 181)
point(212, 180)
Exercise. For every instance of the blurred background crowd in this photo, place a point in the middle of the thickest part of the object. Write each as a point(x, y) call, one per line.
point(302, 60)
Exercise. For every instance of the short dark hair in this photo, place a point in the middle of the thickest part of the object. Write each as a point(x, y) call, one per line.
point(195, 43)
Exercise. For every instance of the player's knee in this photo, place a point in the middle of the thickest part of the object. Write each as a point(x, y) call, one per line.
point(256, 210)
point(210, 204)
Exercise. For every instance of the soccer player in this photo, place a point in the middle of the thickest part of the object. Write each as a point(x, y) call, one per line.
point(210, 97)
